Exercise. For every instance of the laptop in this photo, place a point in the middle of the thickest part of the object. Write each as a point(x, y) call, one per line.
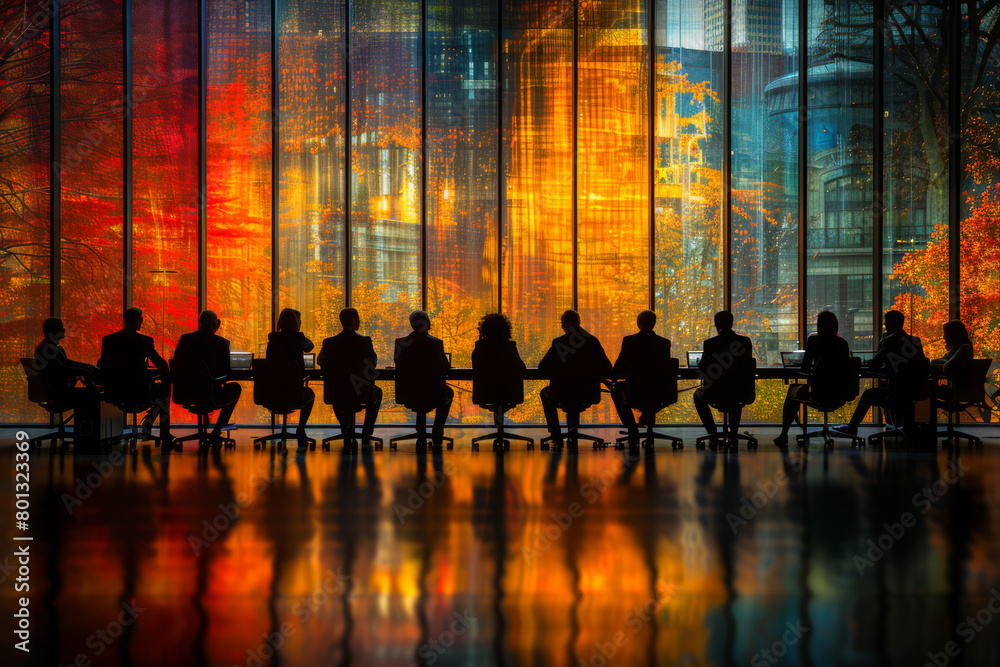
point(240, 361)
point(792, 359)
point(694, 358)
point(309, 359)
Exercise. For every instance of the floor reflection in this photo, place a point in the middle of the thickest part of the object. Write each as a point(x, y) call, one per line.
point(517, 558)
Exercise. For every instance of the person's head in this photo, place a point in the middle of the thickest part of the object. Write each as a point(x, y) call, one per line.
point(827, 324)
point(569, 319)
point(289, 320)
point(723, 320)
point(133, 318)
point(955, 334)
point(53, 329)
point(349, 319)
point(420, 321)
point(646, 320)
point(495, 326)
point(893, 320)
point(209, 321)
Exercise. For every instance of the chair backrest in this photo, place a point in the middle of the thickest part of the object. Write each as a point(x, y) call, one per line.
point(736, 387)
point(277, 384)
point(970, 386)
point(348, 384)
point(192, 383)
point(496, 381)
point(833, 383)
point(653, 387)
point(36, 388)
point(419, 379)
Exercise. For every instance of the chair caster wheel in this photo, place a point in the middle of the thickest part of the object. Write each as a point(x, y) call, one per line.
point(312, 446)
point(858, 442)
point(829, 443)
point(975, 442)
point(326, 446)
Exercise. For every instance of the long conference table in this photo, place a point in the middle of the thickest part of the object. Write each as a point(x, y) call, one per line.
point(465, 374)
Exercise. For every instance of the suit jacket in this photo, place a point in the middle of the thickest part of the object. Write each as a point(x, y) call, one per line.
point(643, 361)
point(348, 361)
point(57, 371)
point(575, 364)
point(208, 347)
point(123, 363)
point(827, 348)
point(497, 373)
point(421, 369)
point(724, 357)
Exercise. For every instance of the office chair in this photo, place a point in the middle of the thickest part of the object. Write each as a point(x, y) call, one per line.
point(969, 391)
point(342, 394)
point(909, 383)
point(573, 395)
point(193, 386)
point(38, 395)
point(736, 389)
point(277, 387)
point(649, 391)
point(832, 385)
point(498, 388)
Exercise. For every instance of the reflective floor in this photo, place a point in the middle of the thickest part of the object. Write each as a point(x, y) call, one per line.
point(523, 558)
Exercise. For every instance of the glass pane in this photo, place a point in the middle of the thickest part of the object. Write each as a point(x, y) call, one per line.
point(916, 81)
point(239, 174)
point(311, 159)
point(538, 173)
point(91, 115)
point(386, 171)
point(165, 170)
point(613, 173)
point(689, 282)
point(839, 168)
point(462, 262)
point(980, 250)
point(24, 198)
point(765, 169)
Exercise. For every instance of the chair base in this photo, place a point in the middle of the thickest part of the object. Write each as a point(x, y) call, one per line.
point(365, 439)
point(828, 434)
point(202, 437)
point(951, 434)
point(725, 440)
point(501, 440)
point(648, 439)
point(64, 435)
point(572, 440)
point(421, 440)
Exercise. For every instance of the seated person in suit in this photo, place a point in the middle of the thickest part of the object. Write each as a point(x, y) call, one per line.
point(288, 343)
point(575, 365)
point(901, 358)
point(205, 345)
point(495, 357)
point(348, 361)
point(955, 362)
point(639, 351)
point(125, 358)
point(421, 355)
point(721, 353)
point(59, 373)
point(825, 345)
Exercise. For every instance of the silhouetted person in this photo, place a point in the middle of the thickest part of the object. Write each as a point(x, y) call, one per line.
point(575, 363)
point(955, 362)
point(640, 350)
point(125, 357)
point(205, 345)
point(721, 353)
point(348, 361)
point(420, 354)
point(59, 373)
point(288, 343)
point(825, 345)
point(495, 356)
point(901, 358)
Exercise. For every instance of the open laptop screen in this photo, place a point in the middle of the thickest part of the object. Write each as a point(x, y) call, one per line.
point(240, 361)
point(792, 359)
point(694, 358)
point(309, 359)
